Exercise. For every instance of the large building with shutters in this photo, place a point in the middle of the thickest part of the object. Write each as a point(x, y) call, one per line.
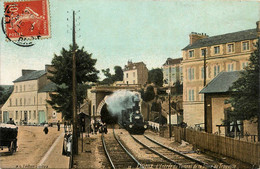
point(227, 52)
point(172, 72)
point(27, 103)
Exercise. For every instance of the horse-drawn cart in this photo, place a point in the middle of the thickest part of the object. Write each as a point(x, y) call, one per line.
point(8, 137)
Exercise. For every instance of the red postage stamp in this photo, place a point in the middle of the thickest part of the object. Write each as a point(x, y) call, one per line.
point(26, 20)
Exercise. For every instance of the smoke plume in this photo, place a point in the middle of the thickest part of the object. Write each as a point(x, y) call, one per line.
point(121, 100)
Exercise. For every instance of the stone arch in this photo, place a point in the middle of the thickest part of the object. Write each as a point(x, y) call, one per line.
point(101, 104)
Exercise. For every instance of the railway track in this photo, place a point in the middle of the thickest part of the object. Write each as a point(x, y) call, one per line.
point(176, 158)
point(118, 156)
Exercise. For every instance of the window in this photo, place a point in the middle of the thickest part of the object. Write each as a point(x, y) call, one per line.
point(20, 88)
point(230, 48)
point(203, 52)
point(190, 73)
point(21, 113)
point(245, 45)
point(202, 72)
point(24, 101)
point(16, 102)
point(21, 101)
point(34, 114)
point(126, 75)
point(30, 115)
point(133, 74)
point(191, 53)
point(16, 88)
point(16, 115)
point(216, 70)
point(10, 102)
point(244, 65)
point(173, 74)
point(230, 67)
point(216, 50)
point(133, 81)
point(191, 95)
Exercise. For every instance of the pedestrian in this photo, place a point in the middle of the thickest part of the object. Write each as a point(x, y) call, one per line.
point(101, 129)
point(46, 130)
point(105, 128)
point(11, 121)
point(96, 127)
point(58, 125)
point(91, 129)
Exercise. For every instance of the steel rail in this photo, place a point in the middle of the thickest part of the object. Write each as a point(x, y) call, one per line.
point(139, 165)
point(107, 154)
point(159, 154)
point(181, 154)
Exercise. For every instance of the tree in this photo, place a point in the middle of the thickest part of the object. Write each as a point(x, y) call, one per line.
point(5, 92)
point(245, 92)
point(155, 76)
point(118, 76)
point(148, 95)
point(61, 100)
point(108, 75)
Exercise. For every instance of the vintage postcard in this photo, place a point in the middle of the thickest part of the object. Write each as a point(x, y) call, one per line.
point(129, 84)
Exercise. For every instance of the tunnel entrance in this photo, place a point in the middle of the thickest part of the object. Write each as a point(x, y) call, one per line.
point(106, 117)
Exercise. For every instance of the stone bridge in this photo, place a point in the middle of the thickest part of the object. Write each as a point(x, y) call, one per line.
point(98, 94)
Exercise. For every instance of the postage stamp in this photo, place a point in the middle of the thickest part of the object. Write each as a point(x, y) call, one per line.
point(27, 20)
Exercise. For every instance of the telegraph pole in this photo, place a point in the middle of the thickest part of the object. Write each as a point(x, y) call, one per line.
point(74, 95)
point(258, 130)
point(205, 82)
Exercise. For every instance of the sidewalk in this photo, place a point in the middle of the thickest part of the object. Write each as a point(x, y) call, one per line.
point(54, 158)
point(91, 155)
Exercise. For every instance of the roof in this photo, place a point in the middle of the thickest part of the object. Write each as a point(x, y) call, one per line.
point(225, 38)
point(31, 76)
point(171, 61)
point(50, 87)
point(222, 82)
point(130, 65)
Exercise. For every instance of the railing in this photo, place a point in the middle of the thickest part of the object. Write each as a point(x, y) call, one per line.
point(154, 126)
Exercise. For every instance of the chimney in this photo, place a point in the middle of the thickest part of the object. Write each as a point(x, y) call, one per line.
point(196, 36)
point(27, 71)
point(258, 28)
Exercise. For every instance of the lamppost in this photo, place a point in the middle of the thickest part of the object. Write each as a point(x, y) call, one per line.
point(170, 127)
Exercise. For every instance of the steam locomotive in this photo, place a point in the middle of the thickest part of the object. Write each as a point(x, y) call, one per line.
point(132, 119)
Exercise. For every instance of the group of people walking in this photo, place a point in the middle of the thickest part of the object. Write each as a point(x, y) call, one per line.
point(98, 127)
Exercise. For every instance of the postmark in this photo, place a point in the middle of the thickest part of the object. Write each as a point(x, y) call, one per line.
point(26, 20)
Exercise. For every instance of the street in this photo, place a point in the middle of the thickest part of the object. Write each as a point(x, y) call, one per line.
point(36, 149)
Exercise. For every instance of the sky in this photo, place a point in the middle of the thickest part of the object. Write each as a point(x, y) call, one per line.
point(116, 31)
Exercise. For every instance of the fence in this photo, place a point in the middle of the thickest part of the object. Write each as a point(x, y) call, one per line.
point(154, 126)
point(245, 151)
